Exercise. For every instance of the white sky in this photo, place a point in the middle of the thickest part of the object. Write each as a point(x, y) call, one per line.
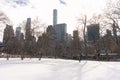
point(44, 9)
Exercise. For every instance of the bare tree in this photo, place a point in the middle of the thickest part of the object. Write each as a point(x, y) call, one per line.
point(3, 21)
point(112, 21)
point(112, 15)
point(82, 22)
point(3, 18)
point(37, 26)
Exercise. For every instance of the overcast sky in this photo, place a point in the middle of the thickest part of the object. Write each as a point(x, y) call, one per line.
point(68, 10)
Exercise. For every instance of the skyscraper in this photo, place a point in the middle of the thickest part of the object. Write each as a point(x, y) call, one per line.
point(54, 17)
point(60, 30)
point(18, 32)
point(93, 32)
point(75, 34)
point(60, 33)
point(68, 38)
point(28, 29)
point(8, 33)
point(76, 47)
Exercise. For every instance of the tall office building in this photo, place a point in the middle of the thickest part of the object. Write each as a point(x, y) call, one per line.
point(8, 33)
point(60, 33)
point(54, 17)
point(68, 38)
point(28, 29)
point(75, 35)
point(60, 30)
point(76, 46)
point(76, 40)
point(93, 32)
point(18, 32)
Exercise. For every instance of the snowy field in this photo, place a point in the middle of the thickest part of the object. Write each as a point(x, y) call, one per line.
point(58, 69)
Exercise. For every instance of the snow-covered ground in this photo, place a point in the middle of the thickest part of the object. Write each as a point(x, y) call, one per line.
point(58, 69)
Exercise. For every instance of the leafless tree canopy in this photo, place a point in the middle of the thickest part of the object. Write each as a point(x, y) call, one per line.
point(37, 27)
point(4, 18)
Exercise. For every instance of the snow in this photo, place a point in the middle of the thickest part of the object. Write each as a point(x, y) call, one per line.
point(57, 69)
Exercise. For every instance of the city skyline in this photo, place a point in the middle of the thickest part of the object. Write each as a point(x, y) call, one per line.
point(68, 10)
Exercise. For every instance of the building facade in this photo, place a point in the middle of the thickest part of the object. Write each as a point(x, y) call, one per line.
point(93, 33)
point(18, 32)
point(68, 39)
point(8, 33)
point(28, 29)
point(60, 33)
point(54, 17)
